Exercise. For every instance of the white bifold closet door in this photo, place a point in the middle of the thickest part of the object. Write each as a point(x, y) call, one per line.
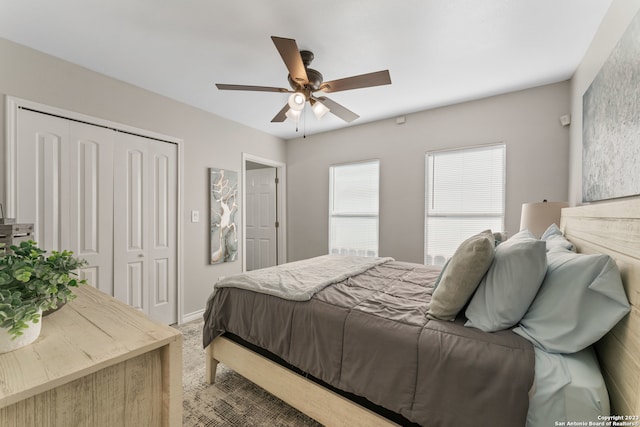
point(144, 203)
point(108, 196)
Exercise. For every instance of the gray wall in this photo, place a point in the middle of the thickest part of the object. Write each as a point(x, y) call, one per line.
point(527, 121)
point(613, 26)
point(209, 141)
point(537, 148)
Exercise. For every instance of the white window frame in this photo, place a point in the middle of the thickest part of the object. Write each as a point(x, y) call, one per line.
point(428, 176)
point(333, 214)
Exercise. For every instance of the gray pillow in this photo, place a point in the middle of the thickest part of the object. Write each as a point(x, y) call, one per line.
point(510, 285)
point(461, 276)
point(580, 300)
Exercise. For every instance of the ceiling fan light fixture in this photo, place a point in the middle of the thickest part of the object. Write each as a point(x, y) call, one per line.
point(297, 101)
point(293, 115)
point(319, 109)
point(305, 82)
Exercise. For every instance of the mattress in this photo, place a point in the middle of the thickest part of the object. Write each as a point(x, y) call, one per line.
point(369, 335)
point(568, 387)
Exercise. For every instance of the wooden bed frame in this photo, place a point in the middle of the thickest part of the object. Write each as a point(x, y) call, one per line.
point(612, 228)
point(321, 404)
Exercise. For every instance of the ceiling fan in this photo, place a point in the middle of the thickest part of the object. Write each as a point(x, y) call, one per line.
point(305, 81)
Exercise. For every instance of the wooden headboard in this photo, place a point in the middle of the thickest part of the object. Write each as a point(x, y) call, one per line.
point(613, 228)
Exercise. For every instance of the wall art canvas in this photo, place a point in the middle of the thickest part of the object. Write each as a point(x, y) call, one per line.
point(611, 124)
point(224, 207)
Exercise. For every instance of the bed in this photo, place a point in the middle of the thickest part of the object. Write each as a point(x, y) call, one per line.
point(610, 228)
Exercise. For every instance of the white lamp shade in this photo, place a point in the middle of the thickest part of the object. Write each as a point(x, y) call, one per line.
point(296, 101)
point(319, 109)
point(293, 115)
point(537, 217)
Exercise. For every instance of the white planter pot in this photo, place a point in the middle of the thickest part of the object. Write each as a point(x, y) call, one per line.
point(28, 336)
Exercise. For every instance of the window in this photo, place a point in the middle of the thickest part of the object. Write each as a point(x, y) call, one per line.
point(353, 208)
point(465, 194)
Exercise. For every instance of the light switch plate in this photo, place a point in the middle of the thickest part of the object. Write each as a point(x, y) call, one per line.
point(195, 216)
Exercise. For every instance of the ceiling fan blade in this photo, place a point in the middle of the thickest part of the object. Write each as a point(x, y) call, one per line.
point(377, 78)
point(252, 88)
point(337, 109)
point(282, 115)
point(290, 54)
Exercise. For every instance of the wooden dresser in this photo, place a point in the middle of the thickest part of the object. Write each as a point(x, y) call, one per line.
point(97, 362)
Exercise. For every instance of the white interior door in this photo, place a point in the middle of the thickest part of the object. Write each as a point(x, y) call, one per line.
point(162, 253)
point(145, 220)
point(65, 190)
point(130, 205)
point(43, 180)
point(91, 201)
point(261, 243)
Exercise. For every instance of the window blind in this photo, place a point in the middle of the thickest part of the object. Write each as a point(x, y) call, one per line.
point(465, 194)
point(353, 208)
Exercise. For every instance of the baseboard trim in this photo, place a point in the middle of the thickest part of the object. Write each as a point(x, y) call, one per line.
point(196, 315)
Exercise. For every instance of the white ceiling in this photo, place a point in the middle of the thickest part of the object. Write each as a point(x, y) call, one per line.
point(439, 52)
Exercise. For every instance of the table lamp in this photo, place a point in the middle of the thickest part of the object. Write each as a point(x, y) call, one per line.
point(537, 217)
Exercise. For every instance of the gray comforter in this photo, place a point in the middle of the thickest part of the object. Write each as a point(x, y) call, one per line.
point(300, 280)
point(369, 335)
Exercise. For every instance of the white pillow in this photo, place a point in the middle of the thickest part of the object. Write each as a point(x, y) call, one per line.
point(507, 290)
point(580, 300)
point(554, 238)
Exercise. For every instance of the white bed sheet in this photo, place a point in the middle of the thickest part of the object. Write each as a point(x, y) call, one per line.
point(568, 387)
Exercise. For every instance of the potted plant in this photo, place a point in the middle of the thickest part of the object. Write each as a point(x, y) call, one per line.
point(32, 282)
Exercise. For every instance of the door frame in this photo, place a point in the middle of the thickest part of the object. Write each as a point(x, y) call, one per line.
point(12, 106)
point(281, 205)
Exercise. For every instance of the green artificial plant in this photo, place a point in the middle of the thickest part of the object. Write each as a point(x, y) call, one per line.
point(31, 282)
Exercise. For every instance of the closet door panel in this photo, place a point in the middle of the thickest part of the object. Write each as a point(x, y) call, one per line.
point(130, 204)
point(42, 192)
point(91, 201)
point(162, 251)
point(145, 225)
